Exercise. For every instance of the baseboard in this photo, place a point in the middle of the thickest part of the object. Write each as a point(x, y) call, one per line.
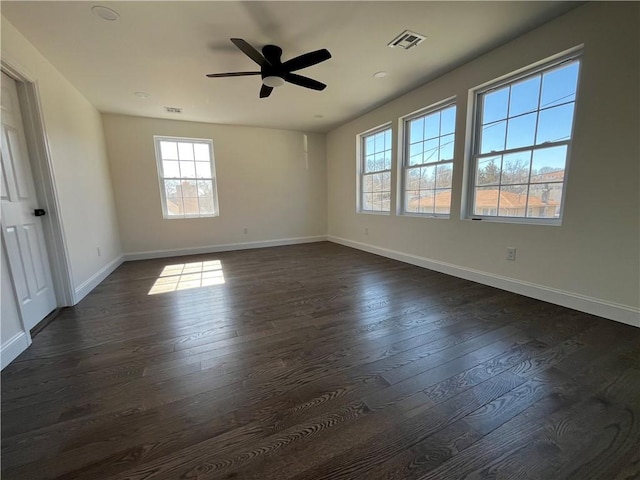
point(612, 311)
point(14, 347)
point(221, 248)
point(85, 287)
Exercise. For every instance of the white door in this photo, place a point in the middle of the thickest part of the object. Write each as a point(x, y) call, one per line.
point(21, 229)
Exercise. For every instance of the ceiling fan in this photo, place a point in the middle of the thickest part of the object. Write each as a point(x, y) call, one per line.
point(273, 71)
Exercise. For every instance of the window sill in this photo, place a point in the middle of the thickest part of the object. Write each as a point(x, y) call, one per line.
point(372, 212)
point(188, 217)
point(552, 222)
point(425, 215)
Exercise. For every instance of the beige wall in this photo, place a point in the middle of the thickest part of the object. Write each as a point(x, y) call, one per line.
point(595, 253)
point(78, 158)
point(266, 183)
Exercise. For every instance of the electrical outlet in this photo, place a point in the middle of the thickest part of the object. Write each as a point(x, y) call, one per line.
point(511, 253)
point(99, 252)
point(245, 230)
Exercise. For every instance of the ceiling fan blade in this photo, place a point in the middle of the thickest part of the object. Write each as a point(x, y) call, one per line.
point(304, 81)
point(231, 74)
point(306, 60)
point(250, 52)
point(265, 91)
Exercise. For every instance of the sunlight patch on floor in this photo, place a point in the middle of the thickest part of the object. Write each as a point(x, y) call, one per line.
point(185, 276)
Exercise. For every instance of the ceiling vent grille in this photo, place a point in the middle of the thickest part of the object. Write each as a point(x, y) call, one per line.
point(173, 110)
point(407, 40)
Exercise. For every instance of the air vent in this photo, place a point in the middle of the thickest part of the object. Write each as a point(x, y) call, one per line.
point(173, 110)
point(407, 40)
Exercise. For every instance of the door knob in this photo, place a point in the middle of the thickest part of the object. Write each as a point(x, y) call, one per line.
point(38, 212)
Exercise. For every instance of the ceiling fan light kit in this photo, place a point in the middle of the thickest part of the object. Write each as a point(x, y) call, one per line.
point(273, 71)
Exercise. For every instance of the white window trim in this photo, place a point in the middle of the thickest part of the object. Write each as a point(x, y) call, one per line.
point(473, 129)
point(404, 156)
point(360, 138)
point(159, 168)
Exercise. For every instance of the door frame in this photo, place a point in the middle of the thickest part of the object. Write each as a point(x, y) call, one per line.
point(44, 179)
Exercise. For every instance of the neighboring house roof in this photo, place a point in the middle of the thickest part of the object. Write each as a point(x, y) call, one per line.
point(488, 199)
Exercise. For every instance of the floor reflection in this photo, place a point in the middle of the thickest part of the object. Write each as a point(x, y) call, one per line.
point(185, 276)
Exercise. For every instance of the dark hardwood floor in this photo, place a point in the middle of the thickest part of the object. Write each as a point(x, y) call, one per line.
point(317, 362)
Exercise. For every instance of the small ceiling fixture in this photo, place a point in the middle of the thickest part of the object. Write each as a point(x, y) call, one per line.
point(273, 81)
point(407, 40)
point(317, 115)
point(173, 110)
point(380, 74)
point(141, 94)
point(105, 13)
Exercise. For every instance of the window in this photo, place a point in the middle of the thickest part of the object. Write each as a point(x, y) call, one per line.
point(187, 177)
point(523, 132)
point(375, 171)
point(428, 161)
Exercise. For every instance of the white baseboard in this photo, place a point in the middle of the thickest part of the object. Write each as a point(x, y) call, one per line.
point(602, 308)
point(221, 248)
point(14, 347)
point(85, 287)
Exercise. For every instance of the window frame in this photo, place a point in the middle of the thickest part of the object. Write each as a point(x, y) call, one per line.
point(360, 168)
point(473, 150)
point(404, 166)
point(160, 171)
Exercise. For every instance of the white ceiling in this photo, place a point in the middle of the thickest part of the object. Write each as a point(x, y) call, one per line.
point(166, 48)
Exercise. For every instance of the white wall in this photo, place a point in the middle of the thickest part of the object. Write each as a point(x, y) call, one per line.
point(266, 183)
point(592, 261)
point(78, 158)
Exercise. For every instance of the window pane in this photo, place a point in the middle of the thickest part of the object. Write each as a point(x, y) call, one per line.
point(495, 105)
point(201, 151)
point(378, 142)
point(379, 162)
point(387, 140)
point(416, 129)
point(446, 148)
point(386, 181)
point(368, 145)
point(488, 172)
point(369, 163)
point(415, 153)
point(549, 164)
point(515, 168)
point(203, 169)
point(367, 183)
point(412, 201)
point(190, 205)
point(413, 179)
point(554, 124)
point(387, 160)
point(524, 96)
point(376, 201)
point(521, 131)
point(386, 201)
point(188, 188)
point(513, 201)
point(431, 149)
point(172, 188)
point(448, 121)
point(206, 205)
point(428, 177)
point(493, 137)
point(205, 188)
point(444, 174)
point(170, 169)
point(486, 201)
point(174, 205)
point(442, 201)
point(168, 150)
point(367, 202)
point(432, 125)
point(559, 85)
point(427, 201)
point(187, 170)
point(185, 150)
point(544, 200)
